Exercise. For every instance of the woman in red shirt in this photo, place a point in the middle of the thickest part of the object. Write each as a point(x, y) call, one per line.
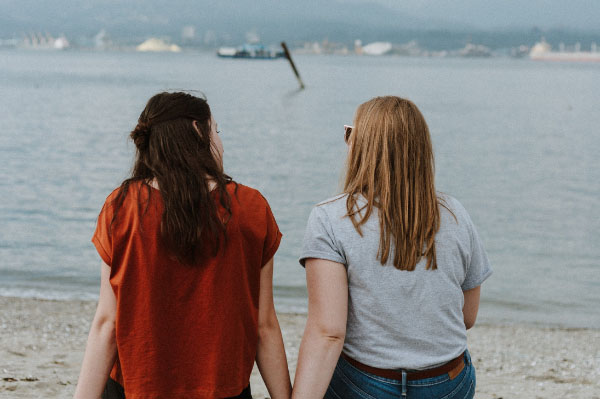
point(186, 299)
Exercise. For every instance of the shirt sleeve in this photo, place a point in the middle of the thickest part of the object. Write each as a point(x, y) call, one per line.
point(478, 268)
point(102, 238)
point(319, 241)
point(273, 236)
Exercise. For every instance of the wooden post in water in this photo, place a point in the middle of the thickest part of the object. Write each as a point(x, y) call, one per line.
point(289, 57)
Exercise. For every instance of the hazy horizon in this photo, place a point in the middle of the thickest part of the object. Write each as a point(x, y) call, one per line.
point(298, 21)
point(507, 14)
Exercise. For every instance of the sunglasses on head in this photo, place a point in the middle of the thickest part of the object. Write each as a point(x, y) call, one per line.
point(347, 132)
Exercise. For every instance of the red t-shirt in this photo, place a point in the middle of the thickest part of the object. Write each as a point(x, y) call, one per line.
point(185, 331)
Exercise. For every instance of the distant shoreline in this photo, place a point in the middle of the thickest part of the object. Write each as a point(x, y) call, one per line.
point(42, 344)
point(285, 304)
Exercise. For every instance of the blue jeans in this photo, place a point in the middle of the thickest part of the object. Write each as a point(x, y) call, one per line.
point(348, 382)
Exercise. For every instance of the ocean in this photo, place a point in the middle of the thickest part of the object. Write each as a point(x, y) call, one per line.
point(515, 141)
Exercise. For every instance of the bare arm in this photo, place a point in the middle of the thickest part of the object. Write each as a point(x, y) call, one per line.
point(325, 330)
point(101, 349)
point(471, 306)
point(270, 354)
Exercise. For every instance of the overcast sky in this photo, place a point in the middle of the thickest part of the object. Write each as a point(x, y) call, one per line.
point(294, 19)
point(571, 14)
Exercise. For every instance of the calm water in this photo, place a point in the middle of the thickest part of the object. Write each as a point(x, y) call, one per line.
point(516, 142)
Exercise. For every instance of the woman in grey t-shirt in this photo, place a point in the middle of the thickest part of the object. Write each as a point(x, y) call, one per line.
point(393, 271)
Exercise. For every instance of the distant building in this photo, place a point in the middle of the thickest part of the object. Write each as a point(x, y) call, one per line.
point(475, 50)
point(324, 47)
point(158, 45)
point(10, 43)
point(542, 51)
point(252, 37)
point(520, 52)
point(410, 49)
point(102, 40)
point(39, 41)
point(61, 43)
point(209, 38)
point(358, 46)
point(377, 48)
point(188, 33)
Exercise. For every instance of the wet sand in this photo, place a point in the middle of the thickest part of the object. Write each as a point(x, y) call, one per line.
point(42, 345)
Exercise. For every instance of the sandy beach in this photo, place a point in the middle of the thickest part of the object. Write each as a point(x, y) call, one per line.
point(42, 344)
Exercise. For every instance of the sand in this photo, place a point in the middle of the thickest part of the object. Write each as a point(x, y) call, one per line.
point(42, 345)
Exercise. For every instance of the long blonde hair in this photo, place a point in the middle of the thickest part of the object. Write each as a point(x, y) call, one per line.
point(390, 163)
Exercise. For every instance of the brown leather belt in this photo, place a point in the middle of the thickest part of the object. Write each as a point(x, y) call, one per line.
point(453, 368)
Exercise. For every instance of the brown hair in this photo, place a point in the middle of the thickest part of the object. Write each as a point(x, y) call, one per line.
point(180, 158)
point(390, 163)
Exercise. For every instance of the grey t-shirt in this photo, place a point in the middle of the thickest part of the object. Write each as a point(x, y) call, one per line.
point(400, 319)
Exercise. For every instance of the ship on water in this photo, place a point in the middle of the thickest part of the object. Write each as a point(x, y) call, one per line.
point(542, 51)
point(252, 51)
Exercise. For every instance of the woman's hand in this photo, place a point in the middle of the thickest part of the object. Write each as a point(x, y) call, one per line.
point(325, 330)
point(270, 353)
point(101, 349)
